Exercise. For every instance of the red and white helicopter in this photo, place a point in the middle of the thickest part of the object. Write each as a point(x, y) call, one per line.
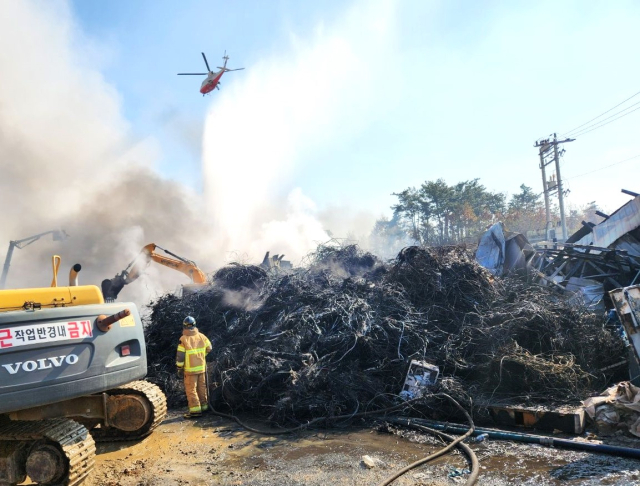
point(213, 79)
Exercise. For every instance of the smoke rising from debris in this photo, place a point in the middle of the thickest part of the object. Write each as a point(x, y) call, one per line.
point(62, 163)
point(270, 121)
point(67, 159)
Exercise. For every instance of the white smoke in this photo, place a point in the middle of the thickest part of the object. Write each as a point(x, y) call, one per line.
point(67, 161)
point(268, 121)
point(68, 158)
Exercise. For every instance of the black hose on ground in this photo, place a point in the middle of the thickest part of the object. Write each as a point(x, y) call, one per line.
point(455, 442)
point(316, 420)
point(475, 466)
point(535, 439)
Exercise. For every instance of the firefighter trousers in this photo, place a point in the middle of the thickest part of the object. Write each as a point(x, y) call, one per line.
point(196, 389)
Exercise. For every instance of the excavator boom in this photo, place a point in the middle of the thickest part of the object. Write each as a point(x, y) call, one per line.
point(188, 267)
point(112, 287)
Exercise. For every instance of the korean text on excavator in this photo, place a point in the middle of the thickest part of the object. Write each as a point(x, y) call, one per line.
point(71, 369)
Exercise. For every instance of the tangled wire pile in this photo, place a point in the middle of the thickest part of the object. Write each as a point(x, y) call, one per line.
point(337, 336)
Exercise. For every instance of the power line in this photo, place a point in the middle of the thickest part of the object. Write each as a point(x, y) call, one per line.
point(589, 129)
point(601, 168)
point(613, 108)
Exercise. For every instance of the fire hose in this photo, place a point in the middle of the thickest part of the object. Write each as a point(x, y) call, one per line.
point(455, 442)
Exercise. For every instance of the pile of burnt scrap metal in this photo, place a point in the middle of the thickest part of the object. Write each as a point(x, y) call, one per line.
point(504, 252)
point(618, 408)
point(599, 257)
point(595, 260)
point(342, 334)
point(596, 268)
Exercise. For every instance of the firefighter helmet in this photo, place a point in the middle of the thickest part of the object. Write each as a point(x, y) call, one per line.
point(189, 322)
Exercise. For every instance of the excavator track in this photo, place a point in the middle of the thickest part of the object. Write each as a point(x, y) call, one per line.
point(156, 399)
point(72, 439)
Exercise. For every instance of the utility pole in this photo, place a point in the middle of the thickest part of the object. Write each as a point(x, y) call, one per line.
point(563, 221)
point(545, 186)
point(549, 154)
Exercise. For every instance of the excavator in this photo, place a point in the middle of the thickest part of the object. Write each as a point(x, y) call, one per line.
point(71, 374)
point(112, 287)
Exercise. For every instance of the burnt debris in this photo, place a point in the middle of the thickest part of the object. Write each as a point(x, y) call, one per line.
point(337, 336)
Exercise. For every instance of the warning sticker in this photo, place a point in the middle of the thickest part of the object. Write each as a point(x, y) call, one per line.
point(44, 333)
point(128, 321)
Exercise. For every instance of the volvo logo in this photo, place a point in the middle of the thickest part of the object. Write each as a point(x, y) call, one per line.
point(41, 364)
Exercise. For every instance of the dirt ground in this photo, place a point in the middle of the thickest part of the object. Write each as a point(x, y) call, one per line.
point(216, 451)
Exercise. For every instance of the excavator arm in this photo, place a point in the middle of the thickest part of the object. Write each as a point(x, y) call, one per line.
point(188, 267)
point(112, 287)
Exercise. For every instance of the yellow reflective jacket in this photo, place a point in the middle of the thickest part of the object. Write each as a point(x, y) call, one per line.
point(193, 348)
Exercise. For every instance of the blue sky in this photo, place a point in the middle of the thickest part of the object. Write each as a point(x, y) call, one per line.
point(341, 104)
point(143, 44)
point(463, 88)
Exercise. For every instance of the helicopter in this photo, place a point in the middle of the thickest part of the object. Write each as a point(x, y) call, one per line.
point(213, 79)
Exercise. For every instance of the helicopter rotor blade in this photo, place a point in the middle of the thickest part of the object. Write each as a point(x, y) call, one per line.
point(205, 61)
point(238, 69)
point(192, 74)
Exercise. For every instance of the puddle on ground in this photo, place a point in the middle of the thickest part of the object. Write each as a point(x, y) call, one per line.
point(212, 450)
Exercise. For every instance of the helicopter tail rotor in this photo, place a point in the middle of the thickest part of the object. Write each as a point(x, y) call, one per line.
point(224, 67)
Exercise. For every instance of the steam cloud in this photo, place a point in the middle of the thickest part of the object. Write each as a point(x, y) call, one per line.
point(66, 159)
point(274, 116)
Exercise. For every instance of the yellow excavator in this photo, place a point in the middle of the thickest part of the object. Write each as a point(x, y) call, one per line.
point(71, 373)
point(112, 287)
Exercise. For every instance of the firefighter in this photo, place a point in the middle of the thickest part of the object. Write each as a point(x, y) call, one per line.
point(192, 365)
